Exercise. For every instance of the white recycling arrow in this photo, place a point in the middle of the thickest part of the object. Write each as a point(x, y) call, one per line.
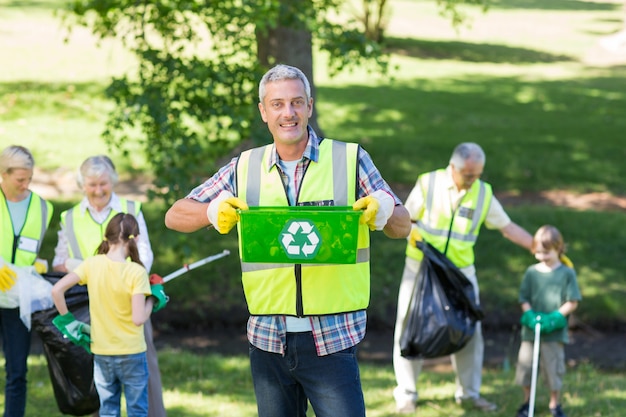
point(306, 227)
point(294, 227)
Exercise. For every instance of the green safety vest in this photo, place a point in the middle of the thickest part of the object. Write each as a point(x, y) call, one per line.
point(453, 233)
point(15, 249)
point(305, 289)
point(84, 234)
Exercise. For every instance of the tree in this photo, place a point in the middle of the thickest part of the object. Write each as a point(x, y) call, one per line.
point(374, 16)
point(192, 98)
point(454, 9)
point(193, 95)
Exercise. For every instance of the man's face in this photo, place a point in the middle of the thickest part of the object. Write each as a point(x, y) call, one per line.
point(286, 110)
point(465, 177)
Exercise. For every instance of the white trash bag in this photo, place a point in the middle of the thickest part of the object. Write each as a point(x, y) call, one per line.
point(31, 292)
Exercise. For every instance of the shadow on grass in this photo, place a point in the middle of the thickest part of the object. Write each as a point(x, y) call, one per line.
point(561, 134)
point(573, 5)
point(35, 4)
point(470, 52)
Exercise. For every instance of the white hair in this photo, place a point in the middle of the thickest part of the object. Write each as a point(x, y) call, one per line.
point(467, 151)
point(95, 166)
point(283, 72)
point(16, 157)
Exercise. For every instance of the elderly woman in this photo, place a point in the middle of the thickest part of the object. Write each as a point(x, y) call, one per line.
point(82, 230)
point(24, 219)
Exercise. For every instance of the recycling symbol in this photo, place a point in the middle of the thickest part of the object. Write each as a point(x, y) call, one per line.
point(300, 239)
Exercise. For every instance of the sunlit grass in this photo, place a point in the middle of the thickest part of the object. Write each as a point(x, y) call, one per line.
point(218, 385)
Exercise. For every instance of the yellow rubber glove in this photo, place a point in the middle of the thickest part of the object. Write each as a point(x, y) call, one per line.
point(378, 208)
point(222, 212)
point(227, 214)
point(7, 278)
point(370, 204)
point(565, 260)
point(41, 266)
point(415, 236)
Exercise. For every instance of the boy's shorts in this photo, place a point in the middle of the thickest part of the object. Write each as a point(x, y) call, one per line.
point(551, 364)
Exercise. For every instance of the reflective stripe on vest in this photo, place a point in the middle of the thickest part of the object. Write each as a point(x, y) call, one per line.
point(35, 225)
point(84, 234)
point(456, 239)
point(308, 289)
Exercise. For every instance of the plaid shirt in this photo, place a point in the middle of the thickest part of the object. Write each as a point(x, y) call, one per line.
point(332, 333)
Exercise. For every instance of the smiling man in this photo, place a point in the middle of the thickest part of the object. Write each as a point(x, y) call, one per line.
point(297, 356)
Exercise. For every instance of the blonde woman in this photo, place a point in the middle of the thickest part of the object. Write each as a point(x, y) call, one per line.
point(24, 219)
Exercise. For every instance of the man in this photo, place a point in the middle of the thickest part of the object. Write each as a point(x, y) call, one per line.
point(449, 206)
point(299, 357)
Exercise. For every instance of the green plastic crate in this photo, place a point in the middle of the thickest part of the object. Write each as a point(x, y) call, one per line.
point(299, 235)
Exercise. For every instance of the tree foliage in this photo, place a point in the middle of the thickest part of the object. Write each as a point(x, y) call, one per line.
point(454, 9)
point(193, 95)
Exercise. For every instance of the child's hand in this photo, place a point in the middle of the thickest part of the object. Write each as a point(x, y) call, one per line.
point(156, 279)
point(553, 321)
point(76, 331)
point(529, 319)
point(161, 299)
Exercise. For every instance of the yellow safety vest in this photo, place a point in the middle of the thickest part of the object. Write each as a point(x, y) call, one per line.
point(22, 250)
point(84, 234)
point(305, 289)
point(453, 233)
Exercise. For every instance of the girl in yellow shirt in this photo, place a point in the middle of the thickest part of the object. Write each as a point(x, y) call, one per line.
point(119, 303)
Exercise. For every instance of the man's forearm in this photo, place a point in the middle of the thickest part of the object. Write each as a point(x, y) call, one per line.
point(517, 235)
point(399, 224)
point(187, 216)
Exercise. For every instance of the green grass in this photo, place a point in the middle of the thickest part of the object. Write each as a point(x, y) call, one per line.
point(216, 385)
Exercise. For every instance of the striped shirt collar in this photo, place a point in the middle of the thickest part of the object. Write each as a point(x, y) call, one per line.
point(311, 152)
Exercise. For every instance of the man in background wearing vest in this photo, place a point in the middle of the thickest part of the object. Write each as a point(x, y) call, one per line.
point(449, 206)
point(302, 337)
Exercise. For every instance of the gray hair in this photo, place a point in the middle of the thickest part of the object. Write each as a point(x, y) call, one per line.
point(467, 151)
point(95, 166)
point(16, 157)
point(283, 72)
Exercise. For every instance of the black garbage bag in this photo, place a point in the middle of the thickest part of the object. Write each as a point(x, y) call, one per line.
point(443, 311)
point(70, 366)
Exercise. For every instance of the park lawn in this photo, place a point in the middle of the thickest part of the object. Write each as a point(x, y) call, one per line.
point(216, 385)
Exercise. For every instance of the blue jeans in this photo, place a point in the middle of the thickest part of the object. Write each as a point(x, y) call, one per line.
point(283, 384)
point(112, 373)
point(16, 346)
